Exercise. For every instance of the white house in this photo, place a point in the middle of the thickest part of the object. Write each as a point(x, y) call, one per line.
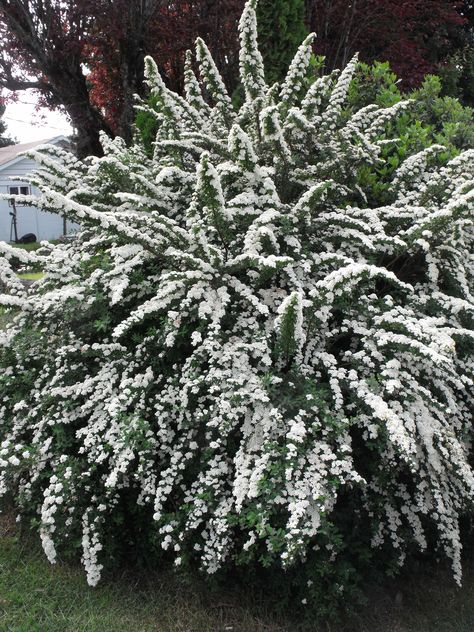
point(29, 219)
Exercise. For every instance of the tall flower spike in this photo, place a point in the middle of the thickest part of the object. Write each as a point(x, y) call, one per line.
point(289, 325)
point(208, 201)
point(242, 149)
point(294, 81)
point(340, 92)
point(211, 76)
point(153, 78)
point(160, 91)
point(192, 88)
point(318, 91)
point(272, 132)
point(174, 106)
point(252, 72)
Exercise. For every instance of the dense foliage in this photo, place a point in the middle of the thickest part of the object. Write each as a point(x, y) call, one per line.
point(415, 36)
point(281, 29)
point(243, 358)
point(4, 138)
point(431, 119)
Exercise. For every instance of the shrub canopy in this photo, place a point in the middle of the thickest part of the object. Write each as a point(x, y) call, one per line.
point(240, 355)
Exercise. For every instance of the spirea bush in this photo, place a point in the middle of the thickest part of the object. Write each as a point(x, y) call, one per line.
point(239, 360)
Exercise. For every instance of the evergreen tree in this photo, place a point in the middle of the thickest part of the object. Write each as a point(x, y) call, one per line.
point(281, 29)
point(241, 360)
point(4, 139)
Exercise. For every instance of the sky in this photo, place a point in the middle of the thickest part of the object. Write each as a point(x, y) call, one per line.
point(26, 124)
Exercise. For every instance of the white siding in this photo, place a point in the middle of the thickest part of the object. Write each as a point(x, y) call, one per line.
point(29, 218)
point(18, 169)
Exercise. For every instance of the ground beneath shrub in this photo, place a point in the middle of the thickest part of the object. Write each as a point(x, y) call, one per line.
point(38, 597)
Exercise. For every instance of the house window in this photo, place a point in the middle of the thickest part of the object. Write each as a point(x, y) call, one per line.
point(18, 190)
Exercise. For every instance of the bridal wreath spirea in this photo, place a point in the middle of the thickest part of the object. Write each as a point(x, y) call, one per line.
point(238, 351)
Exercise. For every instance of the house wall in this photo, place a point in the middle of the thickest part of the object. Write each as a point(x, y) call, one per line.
point(29, 219)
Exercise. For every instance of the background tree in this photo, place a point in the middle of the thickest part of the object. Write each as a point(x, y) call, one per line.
point(4, 138)
point(457, 72)
point(415, 36)
point(49, 45)
point(44, 45)
point(281, 29)
point(116, 61)
point(86, 56)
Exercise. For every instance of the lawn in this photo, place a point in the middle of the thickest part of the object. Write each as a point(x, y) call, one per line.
point(33, 246)
point(38, 597)
point(31, 276)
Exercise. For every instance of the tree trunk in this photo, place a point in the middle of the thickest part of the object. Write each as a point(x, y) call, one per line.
point(54, 55)
point(131, 70)
point(68, 87)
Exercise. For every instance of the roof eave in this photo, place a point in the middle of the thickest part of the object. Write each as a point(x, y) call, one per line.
point(13, 161)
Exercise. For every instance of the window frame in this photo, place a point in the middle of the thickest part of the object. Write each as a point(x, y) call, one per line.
point(19, 191)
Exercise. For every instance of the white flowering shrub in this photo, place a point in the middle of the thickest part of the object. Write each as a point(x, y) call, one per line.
point(238, 360)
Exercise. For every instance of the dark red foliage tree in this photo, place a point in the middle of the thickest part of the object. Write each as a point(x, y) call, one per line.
point(42, 46)
point(87, 55)
point(413, 35)
point(4, 138)
point(118, 41)
point(116, 56)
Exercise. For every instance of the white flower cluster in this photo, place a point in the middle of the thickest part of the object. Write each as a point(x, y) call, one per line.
point(237, 341)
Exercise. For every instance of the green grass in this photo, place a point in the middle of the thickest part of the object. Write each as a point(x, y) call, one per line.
point(38, 597)
point(34, 246)
point(31, 276)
